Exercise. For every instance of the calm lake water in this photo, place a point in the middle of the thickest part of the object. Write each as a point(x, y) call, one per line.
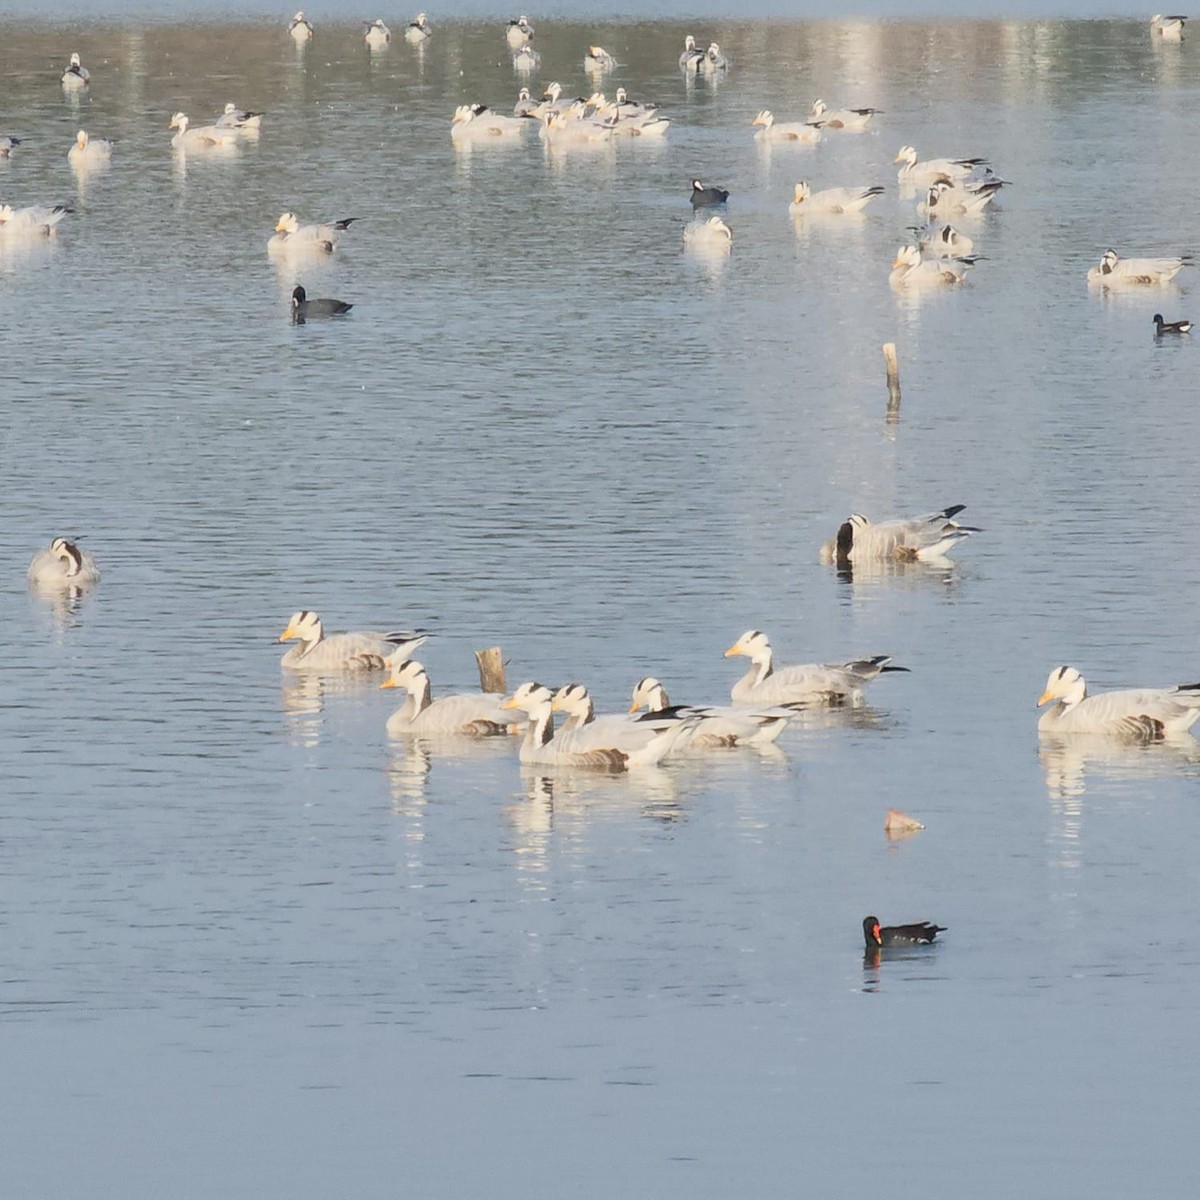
point(253, 949)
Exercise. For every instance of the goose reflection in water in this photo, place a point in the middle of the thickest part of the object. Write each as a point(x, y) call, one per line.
point(589, 795)
point(1068, 760)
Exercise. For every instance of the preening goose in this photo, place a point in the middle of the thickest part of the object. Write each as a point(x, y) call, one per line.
point(418, 30)
point(911, 270)
point(948, 200)
point(76, 75)
point(478, 123)
point(1115, 271)
point(844, 120)
point(712, 234)
point(845, 200)
point(692, 55)
point(300, 28)
point(357, 651)
point(808, 683)
point(907, 539)
point(469, 714)
point(944, 241)
point(1139, 714)
point(713, 61)
point(292, 237)
point(33, 221)
point(63, 564)
point(719, 725)
point(787, 131)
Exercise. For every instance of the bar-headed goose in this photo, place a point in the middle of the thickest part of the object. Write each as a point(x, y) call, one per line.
point(33, 221)
point(917, 174)
point(64, 563)
point(376, 34)
point(807, 683)
point(418, 30)
point(713, 61)
point(1115, 271)
point(478, 123)
point(786, 131)
point(518, 32)
point(359, 651)
point(692, 55)
point(76, 75)
point(831, 200)
point(203, 137)
point(844, 120)
point(1139, 714)
point(720, 725)
point(1170, 29)
point(526, 60)
point(238, 118)
point(712, 234)
point(944, 241)
point(599, 59)
point(911, 270)
point(469, 714)
point(292, 237)
point(88, 150)
point(300, 28)
point(907, 539)
point(944, 199)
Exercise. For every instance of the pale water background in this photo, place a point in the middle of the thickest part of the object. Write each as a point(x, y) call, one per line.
point(250, 949)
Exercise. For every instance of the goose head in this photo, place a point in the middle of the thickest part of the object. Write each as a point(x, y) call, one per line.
point(1065, 684)
point(907, 156)
point(818, 108)
point(764, 118)
point(299, 18)
point(287, 223)
point(179, 121)
point(304, 625)
point(422, 20)
point(574, 700)
point(68, 554)
point(650, 694)
point(553, 92)
point(81, 139)
point(1108, 262)
point(906, 256)
point(714, 51)
point(407, 674)
point(689, 42)
point(803, 191)
point(75, 60)
point(523, 94)
point(622, 95)
point(753, 644)
point(532, 698)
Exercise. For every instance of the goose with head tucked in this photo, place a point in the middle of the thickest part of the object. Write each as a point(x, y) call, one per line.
point(478, 123)
point(300, 28)
point(519, 32)
point(7, 145)
point(468, 714)
point(838, 201)
point(813, 684)
point(376, 34)
point(203, 137)
point(88, 150)
point(1136, 714)
point(912, 270)
point(304, 309)
point(76, 75)
point(692, 56)
point(598, 59)
point(64, 564)
point(719, 725)
point(291, 237)
point(842, 120)
point(1169, 29)
point(33, 221)
point(712, 234)
point(1116, 272)
point(359, 651)
point(787, 131)
point(927, 538)
point(238, 118)
point(713, 62)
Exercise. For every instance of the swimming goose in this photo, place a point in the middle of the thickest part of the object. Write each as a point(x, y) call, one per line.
point(418, 30)
point(788, 131)
point(304, 309)
point(526, 60)
point(643, 741)
point(1170, 29)
point(807, 683)
point(845, 120)
point(75, 76)
point(917, 934)
point(914, 173)
point(946, 200)
point(63, 563)
point(1140, 714)
point(565, 128)
point(525, 104)
point(599, 59)
point(713, 60)
point(89, 150)
point(1161, 326)
point(8, 145)
point(692, 55)
point(831, 200)
point(205, 137)
point(1115, 271)
point(238, 118)
point(552, 101)
point(477, 122)
point(470, 714)
point(35, 220)
point(943, 241)
point(720, 725)
point(342, 651)
point(519, 32)
point(910, 269)
point(711, 234)
point(292, 237)
point(906, 539)
point(300, 28)
point(707, 197)
point(377, 34)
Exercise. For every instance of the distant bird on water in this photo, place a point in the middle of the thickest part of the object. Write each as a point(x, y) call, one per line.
point(8, 145)
point(1161, 326)
point(919, 934)
point(300, 28)
point(707, 197)
point(75, 76)
point(304, 309)
point(1170, 29)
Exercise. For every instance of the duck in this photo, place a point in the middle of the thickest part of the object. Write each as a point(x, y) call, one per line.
point(917, 174)
point(788, 131)
point(1115, 271)
point(292, 237)
point(832, 200)
point(599, 59)
point(526, 60)
point(719, 725)
point(1170, 29)
point(418, 30)
point(342, 651)
point(76, 75)
point(1161, 326)
point(921, 933)
point(845, 120)
point(712, 234)
point(7, 145)
point(714, 61)
point(35, 220)
point(476, 122)
point(63, 564)
point(238, 118)
point(1137, 714)
point(89, 150)
point(204, 137)
point(904, 539)
point(707, 197)
point(377, 35)
point(692, 55)
point(943, 241)
point(468, 714)
point(304, 309)
point(945, 199)
point(519, 32)
point(911, 269)
point(300, 28)
point(807, 683)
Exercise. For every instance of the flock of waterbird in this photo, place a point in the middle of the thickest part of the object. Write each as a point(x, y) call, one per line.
point(767, 696)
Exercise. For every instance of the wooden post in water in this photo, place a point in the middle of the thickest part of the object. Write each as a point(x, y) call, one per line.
point(491, 670)
point(893, 380)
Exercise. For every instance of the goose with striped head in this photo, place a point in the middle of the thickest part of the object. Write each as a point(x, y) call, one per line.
point(357, 651)
point(64, 564)
point(927, 538)
point(719, 725)
point(467, 714)
point(1134, 714)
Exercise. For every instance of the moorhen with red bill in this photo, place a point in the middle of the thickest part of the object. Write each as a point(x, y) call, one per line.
point(922, 933)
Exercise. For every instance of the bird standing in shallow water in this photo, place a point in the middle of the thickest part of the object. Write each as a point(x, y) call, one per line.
point(919, 934)
point(1161, 326)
